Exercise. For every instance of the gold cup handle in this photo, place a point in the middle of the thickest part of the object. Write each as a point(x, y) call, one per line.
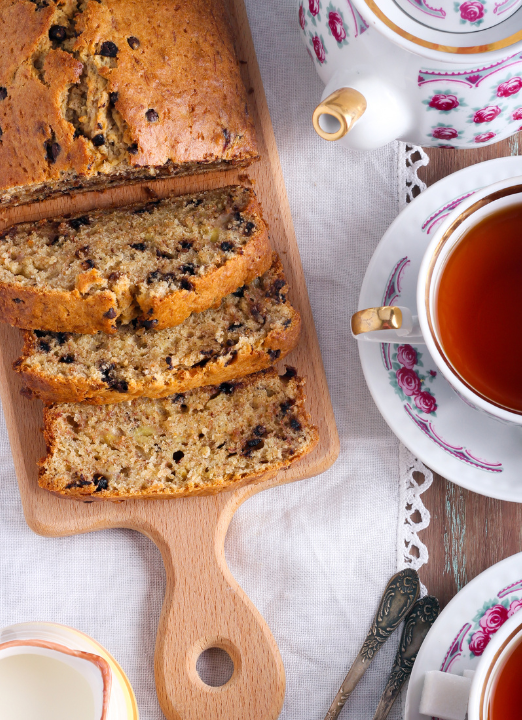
point(345, 106)
point(397, 322)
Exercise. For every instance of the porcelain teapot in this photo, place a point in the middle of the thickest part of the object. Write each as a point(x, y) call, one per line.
point(447, 75)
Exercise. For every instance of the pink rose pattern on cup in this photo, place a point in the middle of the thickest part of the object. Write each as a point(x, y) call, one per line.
point(319, 50)
point(502, 114)
point(509, 87)
point(302, 19)
point(336, 25)
point(407, 356)
point(485, 137)
point(478, 631)
point(425, 402)
point(444, 102)
point(314, 6)
point(486, 114)
point(492, 616)
point(471, 11)
point(514, 607)
point(478, 642)
point(408, 382)
point(443, 132)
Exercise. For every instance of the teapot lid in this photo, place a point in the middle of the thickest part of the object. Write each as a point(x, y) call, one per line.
point(461, 16)
point(492, 27)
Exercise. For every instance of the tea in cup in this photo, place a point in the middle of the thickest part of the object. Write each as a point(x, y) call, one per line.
point(468, 288)
point(496, 689)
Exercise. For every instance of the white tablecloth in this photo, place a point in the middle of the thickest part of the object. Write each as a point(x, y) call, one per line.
point(313, 556)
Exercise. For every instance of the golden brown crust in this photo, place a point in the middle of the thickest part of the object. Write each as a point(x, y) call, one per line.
point(53, 413)
point(57, 310)
point(55, 389)
point(184, 69)
point(92, 308)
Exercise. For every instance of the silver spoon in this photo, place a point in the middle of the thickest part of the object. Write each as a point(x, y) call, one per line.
point(416, 627)
point(399, 597)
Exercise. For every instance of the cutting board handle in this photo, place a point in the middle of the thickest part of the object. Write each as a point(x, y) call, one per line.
point(204, 607)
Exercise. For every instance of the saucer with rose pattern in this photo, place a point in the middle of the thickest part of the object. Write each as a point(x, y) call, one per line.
point(466, 625)
point(467, 447)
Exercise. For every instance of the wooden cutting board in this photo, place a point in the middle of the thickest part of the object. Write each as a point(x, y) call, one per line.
point(204, 606)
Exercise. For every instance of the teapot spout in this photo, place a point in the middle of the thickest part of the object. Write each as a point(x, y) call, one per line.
point(362, 111)
point(335, 116)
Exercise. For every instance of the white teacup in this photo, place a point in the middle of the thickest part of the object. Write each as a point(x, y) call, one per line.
point(399, 325)
point(492, 660)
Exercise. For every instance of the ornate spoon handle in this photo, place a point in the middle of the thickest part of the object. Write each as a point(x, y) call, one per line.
point(416, 627)
point(399, 596)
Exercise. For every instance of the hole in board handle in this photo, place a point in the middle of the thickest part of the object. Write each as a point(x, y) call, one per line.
point(215, 667)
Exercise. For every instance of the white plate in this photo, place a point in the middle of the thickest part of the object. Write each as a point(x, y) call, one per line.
point(461, 632)
point(465, 446)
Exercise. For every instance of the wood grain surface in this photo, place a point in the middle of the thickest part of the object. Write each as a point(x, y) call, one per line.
point(468, 532)
point(204, 606)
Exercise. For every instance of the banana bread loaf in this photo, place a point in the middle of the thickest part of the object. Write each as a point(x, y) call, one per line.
point(249, 331)
point(96, 93)
point(195, 443)
point(157, 262)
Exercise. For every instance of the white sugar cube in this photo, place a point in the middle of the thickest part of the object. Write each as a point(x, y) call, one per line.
point(445, 696)
point(469, 674)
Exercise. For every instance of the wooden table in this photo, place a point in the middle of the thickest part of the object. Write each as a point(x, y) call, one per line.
point(467, 532)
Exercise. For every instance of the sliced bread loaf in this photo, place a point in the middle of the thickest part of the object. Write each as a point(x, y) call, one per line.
point(195, 443)
point(251, 329)
point(157, 262)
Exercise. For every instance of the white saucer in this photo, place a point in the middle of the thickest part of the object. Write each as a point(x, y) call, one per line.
point(453, 439)
point(458, 637)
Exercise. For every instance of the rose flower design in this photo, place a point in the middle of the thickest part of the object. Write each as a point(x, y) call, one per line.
point(425, 402)
point(301, 16)
point(336, 25)
point(472, 10)
point(515, 606)
point(478, 642)
point(408, 381)
point(319, 49)
point(517, 114)
point(484, 137)
point(445, 133)
point(487, 114)
point(510, 87)
point(493, 618)
point(406, 355)
point(313, 6)
point(444, 102)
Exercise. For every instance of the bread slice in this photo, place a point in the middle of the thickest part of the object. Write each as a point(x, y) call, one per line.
point(157, 261)
point(249, 331)
point(200, 442)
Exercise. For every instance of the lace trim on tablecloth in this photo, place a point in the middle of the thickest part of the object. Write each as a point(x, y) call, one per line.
point(411, 158)
point(415, 478)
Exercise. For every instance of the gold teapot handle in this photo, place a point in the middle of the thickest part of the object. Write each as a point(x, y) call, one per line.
point(345, 106)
